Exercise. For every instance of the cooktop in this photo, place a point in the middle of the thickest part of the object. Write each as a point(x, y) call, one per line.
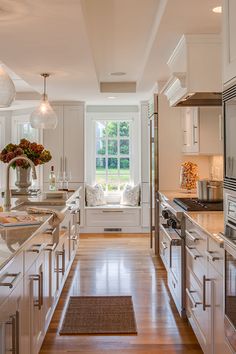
point(194, 204)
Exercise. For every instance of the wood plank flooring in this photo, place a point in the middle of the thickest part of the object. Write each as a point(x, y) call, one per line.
point(122, 265)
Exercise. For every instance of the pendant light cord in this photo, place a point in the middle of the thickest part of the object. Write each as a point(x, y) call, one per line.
point(45, 76)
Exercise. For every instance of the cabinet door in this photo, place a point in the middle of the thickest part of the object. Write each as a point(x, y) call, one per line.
point(211, 131)
point(190, 126)
point(198, 310)
point(4, 318)
point(74, 141)
point(219, 345)
point(229, 42)
point(34, 295)
point(53, 141)
point(29, 298)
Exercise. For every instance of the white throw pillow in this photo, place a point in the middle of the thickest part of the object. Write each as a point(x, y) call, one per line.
point(131, 195)
point(95, 195)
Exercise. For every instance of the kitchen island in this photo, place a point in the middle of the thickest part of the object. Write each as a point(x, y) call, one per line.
point(34, 264)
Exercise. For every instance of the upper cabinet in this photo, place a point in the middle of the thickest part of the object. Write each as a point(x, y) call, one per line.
point(229, 40)
point(66, 142)
point(195, 67)
point(202, 131)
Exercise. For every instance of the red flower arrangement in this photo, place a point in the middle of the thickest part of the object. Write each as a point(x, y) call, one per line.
point(35, 152)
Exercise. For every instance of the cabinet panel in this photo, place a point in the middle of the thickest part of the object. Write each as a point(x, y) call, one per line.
point(74, 141)
point(53, 141)
point(202, 130)
point(198, 317)
point(190, 126)
point(218, 343)
point(229, 29)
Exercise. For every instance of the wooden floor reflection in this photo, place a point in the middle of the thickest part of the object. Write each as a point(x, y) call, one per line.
point(122, 265)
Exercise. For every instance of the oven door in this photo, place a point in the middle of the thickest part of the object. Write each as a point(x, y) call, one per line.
point(230, 295)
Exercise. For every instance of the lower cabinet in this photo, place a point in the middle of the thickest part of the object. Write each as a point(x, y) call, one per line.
point(13, 332)
point(204, 291)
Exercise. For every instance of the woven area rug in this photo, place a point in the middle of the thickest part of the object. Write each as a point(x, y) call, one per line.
point(99, 315)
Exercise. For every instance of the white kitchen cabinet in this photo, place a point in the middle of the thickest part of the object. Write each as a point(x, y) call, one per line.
point(66, 142)
point(202, 131)
point(12, 330)
point(204, 289)
point(229, 41)
point(190, 126)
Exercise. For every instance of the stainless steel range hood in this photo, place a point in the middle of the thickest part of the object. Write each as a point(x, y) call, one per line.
point(196, 72)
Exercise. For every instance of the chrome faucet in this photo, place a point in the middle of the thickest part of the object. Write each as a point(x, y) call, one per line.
point(7, 199)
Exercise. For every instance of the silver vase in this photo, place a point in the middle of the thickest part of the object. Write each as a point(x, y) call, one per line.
point(23, 180)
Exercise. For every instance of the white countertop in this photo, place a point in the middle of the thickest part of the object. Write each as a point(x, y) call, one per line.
point(212, 222)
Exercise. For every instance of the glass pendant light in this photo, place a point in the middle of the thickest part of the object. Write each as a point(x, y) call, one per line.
point(44, 117)
point(7, 89)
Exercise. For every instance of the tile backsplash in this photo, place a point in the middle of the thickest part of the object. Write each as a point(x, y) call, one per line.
point(216, 167)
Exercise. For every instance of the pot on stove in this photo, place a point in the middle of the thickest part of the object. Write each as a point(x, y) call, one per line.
point(210, 190)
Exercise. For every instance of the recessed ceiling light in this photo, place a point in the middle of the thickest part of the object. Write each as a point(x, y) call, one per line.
point(217, 9)
point(118, 73)
point(111, 97)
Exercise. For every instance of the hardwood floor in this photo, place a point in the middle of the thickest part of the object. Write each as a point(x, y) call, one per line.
point(121, 265)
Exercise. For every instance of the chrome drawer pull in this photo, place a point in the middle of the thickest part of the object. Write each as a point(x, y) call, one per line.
point(194, 256)
point(15, 333)
point(190, 296)
point(163, 245)
point(62, 269)
point(211, 257)
point(204, 280)
point(38, 249)
point(50, 247)
point(190, 235)
point(10, 284)
point(50, 231)
point(37, 277)
point(112, 211)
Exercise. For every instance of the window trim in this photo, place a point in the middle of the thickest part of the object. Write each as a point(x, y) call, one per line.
point(90, 141)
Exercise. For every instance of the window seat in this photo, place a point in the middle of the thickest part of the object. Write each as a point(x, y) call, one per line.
point(113, 216)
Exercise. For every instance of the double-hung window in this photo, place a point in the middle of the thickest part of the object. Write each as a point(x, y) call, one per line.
point(112, 151)
point(113, 154)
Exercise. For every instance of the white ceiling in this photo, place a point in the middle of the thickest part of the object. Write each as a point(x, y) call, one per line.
point(81, 42)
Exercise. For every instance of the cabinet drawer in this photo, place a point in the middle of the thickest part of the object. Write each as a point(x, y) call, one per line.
point(113, 218)
point(175, 288)
point(195, 262)
point(10, 276)
point(196, 238)
point(215, 255)
point(164, 247)
point(35, 246)
point(194, 308)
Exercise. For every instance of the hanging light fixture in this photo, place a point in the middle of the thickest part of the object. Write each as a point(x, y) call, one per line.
point(44, 117)
point(7, 89)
